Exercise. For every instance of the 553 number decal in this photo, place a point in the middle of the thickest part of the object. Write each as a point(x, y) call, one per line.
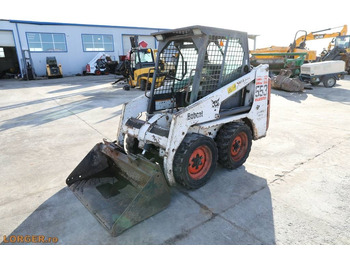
point(261, 92)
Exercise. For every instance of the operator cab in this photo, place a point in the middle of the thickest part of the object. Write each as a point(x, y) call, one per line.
point(141, 58)
point(343, 41)
point(221, 57)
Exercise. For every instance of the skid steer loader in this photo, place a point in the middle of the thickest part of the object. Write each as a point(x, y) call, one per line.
point(209, 108)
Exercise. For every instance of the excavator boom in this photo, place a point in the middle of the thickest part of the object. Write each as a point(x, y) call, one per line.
point(315, 36)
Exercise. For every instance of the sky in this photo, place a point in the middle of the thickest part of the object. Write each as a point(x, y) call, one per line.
point(275, 21)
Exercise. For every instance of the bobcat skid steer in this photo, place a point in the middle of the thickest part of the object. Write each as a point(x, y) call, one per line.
point(209, 108)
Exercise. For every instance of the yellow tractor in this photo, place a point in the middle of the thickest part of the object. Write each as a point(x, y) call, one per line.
point(137, 67)
point(52, 68)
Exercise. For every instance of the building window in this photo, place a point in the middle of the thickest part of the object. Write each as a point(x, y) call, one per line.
point(2, 52)
point(46, 42)
point(93, 43)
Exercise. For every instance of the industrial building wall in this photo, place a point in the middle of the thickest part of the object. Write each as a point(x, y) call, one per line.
point(150, 40)
point(74, 58)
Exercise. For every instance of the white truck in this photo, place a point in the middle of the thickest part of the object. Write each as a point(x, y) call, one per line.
point(327, 72)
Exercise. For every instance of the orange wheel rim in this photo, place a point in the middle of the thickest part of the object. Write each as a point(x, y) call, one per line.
point(199, 162)
point(239, 146)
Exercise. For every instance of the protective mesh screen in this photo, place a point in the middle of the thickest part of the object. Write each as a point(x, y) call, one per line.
point(223, 64)
point(177, 62)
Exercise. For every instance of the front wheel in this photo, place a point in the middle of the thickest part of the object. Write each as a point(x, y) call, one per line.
point(234, 142)
point(131, 145)
point(195, 161)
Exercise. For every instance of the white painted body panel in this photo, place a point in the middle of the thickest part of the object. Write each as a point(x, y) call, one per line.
point(203, 116)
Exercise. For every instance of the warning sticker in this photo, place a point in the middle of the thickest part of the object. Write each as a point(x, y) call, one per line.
point(231, 89)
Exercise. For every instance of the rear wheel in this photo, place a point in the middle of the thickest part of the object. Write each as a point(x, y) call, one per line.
point(329, 81)
point(195, 161)
point(234, 142)
point(143, 84)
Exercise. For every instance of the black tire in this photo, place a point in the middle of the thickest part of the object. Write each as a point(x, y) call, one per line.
point(149, 85)
point(126, 87)
point(143, 84)
point(195, 161)
point(329, 81)
point(315, 83)
point(131, 145)
point(234, 141)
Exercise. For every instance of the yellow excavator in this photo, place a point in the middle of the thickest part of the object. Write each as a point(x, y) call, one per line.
point(276, 56)
point(339, 49)
point(285, 62)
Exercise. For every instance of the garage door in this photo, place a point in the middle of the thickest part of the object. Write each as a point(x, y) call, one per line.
point(6, 38)
point(127, 46)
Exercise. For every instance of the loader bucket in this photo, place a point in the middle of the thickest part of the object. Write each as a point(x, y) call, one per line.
point(283, 81)
point(119, 190)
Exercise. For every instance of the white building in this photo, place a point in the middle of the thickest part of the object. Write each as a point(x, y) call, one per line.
point(73, 45)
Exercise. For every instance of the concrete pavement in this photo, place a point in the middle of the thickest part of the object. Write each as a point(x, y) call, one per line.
point(293, 189)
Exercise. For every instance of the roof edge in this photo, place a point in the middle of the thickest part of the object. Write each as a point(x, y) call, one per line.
point(74, 24)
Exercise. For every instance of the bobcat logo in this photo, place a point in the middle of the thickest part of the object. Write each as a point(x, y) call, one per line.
point(215, 103)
